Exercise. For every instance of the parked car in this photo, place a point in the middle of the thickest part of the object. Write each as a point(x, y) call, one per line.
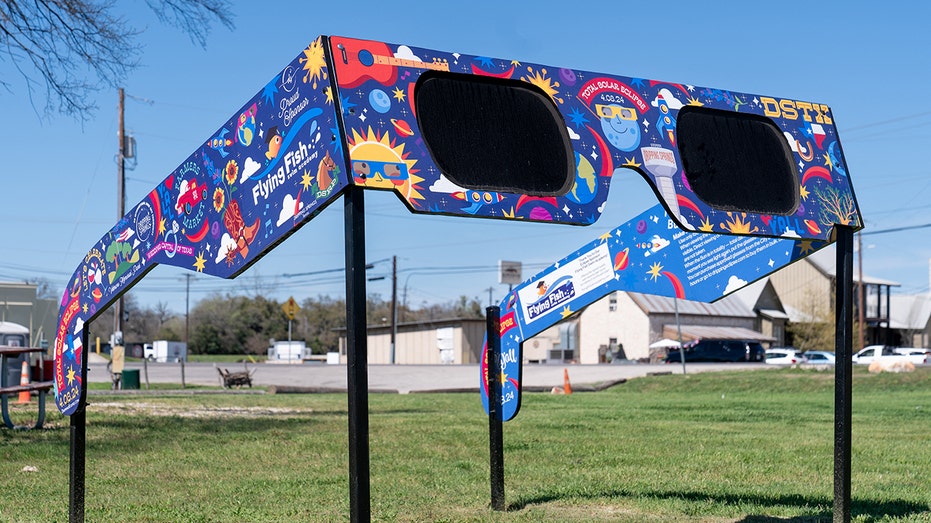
point(785, 356)
point(917, 356)
point(719, 350)
point(819, 357)
point(874, 352)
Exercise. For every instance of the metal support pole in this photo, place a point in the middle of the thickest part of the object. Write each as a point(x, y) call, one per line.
point(394, 307)
point(495, 429)
point(357, 356)
point(76, 471)
point(843, 371)
point(78, 424)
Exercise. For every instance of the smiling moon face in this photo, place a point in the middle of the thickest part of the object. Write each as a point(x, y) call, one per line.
point(623, 133)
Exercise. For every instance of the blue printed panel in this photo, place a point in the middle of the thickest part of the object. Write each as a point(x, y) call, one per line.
point(613, 122)
point(649, 255)
point(266, 171)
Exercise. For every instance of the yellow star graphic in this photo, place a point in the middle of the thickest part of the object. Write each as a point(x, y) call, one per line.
point(805, 247)
point(70, 374)
point(803, 192)
point(654, 270)
point(605, 237)
point(399, 94)
point(306, 180)
point(706, 225)
point(199, 262)
point(161, 227)
point(85, 308)
point(329, 95)
point(566, 312)
point(827, 161)
point(631, 162)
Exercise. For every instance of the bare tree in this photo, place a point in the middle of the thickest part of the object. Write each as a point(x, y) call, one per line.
point(73, 48)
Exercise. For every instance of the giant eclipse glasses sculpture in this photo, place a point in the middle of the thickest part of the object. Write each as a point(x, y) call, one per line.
point(463, 135)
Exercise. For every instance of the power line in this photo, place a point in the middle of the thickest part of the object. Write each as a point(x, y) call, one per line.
point(897, 229)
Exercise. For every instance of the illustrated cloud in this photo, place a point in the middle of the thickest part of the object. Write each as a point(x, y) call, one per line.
point(671, 100)
point(734, 283)
point(444, 185)
point(405, 53)
point(288, 209)
point(227, 243)
point(251, 167)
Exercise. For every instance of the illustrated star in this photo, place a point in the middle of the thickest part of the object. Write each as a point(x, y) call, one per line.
point(399, 94)
point(577, 118)
point(605, 237)
point(200, 262)
point(346, 104)
point(566, 312)
point(803, 193)
point(306, 180)
point(655, 270)
point(269, 92)
point(771, 263)
point(70, 375)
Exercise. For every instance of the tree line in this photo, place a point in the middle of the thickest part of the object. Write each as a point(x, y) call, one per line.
point(235, 324)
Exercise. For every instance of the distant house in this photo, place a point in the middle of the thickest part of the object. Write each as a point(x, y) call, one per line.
point(20, 304)
point(450, 341)
point(806, 289)
point(631, 321)
point(911, 319)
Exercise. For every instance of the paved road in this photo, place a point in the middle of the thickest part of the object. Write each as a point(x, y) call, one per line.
point(401, 378)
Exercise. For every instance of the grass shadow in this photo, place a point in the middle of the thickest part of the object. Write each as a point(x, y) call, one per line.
point(871, 510)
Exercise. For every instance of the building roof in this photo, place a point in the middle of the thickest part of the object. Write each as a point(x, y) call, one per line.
point(909, 311)
point(692, 332)
point(728, 306)
point(825, 260)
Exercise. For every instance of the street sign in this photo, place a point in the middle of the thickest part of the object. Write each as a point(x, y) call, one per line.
point(290, 308)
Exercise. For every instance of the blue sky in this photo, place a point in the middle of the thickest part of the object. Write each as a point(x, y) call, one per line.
point(868, 65)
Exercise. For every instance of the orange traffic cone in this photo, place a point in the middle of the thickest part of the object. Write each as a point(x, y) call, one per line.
point(567, 387)
point(24, 380)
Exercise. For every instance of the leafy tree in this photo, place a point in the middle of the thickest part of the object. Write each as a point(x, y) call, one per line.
point(74, 47)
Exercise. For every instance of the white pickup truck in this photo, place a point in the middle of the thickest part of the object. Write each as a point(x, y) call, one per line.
point(873, 352)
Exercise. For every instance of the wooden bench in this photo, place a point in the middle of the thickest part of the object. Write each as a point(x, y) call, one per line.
point(42, 387)
point(235, 379)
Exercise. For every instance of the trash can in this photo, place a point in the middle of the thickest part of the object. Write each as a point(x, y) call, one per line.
point(14, 369)
point(130, 378)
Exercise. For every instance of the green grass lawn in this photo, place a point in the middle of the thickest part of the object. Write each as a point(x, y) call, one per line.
point(750, 446)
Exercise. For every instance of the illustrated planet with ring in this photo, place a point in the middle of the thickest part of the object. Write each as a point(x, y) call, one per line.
point(620, 261)
point(402, 127)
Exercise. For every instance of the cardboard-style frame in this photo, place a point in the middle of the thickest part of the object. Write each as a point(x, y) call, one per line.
point(343, 115)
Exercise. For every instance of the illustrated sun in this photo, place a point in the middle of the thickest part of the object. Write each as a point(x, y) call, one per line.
point(540, 80)
point(372, 147)
point(314, 63)
point(737, 225)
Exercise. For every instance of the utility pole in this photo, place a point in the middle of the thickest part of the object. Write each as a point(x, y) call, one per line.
point(120, 199)
point(394, 305)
